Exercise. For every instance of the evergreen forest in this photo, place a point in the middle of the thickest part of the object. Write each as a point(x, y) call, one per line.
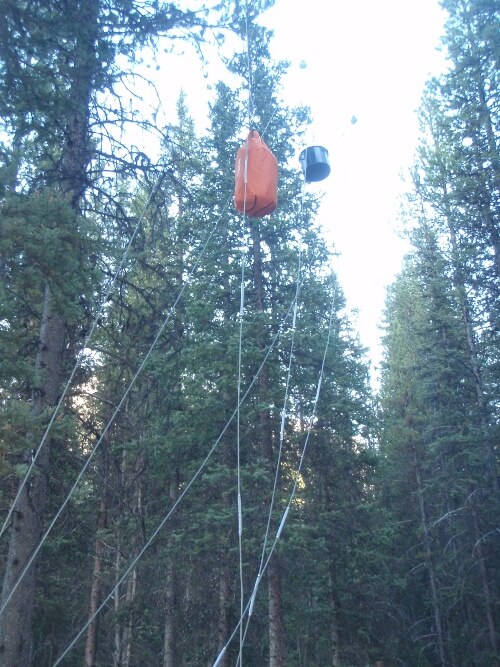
point(195, 467)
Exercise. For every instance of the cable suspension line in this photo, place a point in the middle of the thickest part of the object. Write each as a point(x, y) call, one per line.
point(278, 466)
point(250, 604)
point(240, 337)
point(113, 416)
point(281, 437)
point(283, 419)
point(188, 486)
point(238, 425)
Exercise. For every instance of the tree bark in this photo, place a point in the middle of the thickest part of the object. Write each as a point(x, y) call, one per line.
point(123, 629)
point(16, 619)
point(124, 603)
point(334, 625)
point(276, 626)
point(329, 502)
point(223, 628)
point(170, 628)
point(96, 588)
point(224, 600)
point(459, 284)
point(429, 562)
point(275, 614)
point(95, 591)
point(488, 603)
point(127, 631)
point(488, 125)
point(16, 631)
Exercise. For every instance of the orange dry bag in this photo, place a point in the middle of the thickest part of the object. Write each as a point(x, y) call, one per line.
point(256, 167)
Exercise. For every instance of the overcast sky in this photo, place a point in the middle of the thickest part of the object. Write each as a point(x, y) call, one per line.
point(371, 60)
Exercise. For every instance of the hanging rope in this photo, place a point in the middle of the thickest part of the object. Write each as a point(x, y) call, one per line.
point(188, 486)
point(282, 429)
point(250, 603)
point(238, 453)
point(278, 463)
point(240, 338)
point(263, 133)
point(249, 69)
point(283, 419)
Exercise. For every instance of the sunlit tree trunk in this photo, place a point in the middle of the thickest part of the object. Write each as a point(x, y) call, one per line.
point(98, 567)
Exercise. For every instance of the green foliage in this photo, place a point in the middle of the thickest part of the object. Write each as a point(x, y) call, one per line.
point(439, 385)
point(380, 544)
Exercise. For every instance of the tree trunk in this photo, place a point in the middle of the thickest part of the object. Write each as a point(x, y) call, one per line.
point(127, 631)
point(170, 638)
point(429, 563)
point(276, 624)
point(16, 631)
point(124, 604)
point(224, 601)
point(459, 284)
point(334, 625)
point(123, 629)
point(223, 628)
point(329, 503)
point(16, 618)
point(488, 604)
point(96, 588)
point(95, 593)
point(117, 653)
point(488, 124)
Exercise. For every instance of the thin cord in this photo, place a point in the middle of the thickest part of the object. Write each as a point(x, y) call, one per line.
point(111, 420)
point(278, 463)
point(238, 458)
point(282, 432)
point(250, 604)
point(283, 418)
point(277, 472)
point(269, 123)
point(240, 340)
point(249, 67)
point(134, 562)
point(315, 405)
point(78, 360)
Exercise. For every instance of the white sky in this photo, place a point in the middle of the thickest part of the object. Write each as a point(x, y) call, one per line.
point(368, 59)
point(363, 58)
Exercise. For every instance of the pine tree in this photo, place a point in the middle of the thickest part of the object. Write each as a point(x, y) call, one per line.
point(430, 441)
point(440, 390)
point(60, 68)
point(63, 184)
point(273, 244)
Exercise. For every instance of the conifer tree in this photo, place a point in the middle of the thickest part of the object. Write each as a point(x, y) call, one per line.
point(447, 385)
point(57, 60)
point(274, 244)
point(430, 440)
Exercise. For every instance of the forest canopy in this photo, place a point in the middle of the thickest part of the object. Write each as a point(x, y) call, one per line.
point(194, 466)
